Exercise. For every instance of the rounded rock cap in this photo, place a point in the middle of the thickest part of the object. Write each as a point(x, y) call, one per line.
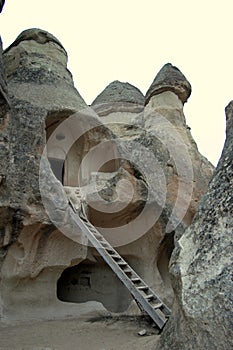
point(170, 78)
point(120, 92)
point(36, 34)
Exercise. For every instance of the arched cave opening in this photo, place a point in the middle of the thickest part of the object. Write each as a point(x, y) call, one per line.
point(90, 281)
point(65, 163)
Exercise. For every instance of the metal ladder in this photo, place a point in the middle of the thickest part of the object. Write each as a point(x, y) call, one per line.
point(141, 292)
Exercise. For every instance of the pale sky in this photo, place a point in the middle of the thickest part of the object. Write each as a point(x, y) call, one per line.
point(130, 40)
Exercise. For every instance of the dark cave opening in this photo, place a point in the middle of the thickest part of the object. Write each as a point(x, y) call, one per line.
point(90, 281)
point(164, 255)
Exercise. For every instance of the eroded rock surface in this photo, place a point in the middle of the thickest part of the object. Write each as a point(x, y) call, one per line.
point(201, 266)
point(160, 152)
point(40, 91)
point(137, 167)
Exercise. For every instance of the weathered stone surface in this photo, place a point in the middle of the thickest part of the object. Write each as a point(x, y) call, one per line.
point(41, 92)
point(120, 92)
point(36, 66)
point(125, 163)
point(4, 103)
point(162, 153)
point(4, 138)
point(42, 96)
point(201, 266)
point(187, 171)
point(170, 78)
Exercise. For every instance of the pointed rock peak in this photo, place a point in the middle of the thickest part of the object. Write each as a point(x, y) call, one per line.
point(120, 92)
point(36, 34)
point(2, 2)
point(170, 78)
point(229, 116)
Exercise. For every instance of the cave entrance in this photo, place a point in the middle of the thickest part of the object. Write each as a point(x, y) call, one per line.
point(65, 163)
point(90, 281)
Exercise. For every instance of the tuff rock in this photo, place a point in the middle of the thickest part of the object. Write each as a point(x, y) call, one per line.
point(201, 266)
point(120, 92)
point(137, 168)
point(170, 78)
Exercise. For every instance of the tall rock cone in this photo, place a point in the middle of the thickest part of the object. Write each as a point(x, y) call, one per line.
point(201, 266)
point(41, 94)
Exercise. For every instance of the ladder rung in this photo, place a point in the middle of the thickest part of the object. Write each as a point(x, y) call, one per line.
point(122, 263)
point(142, 288)
point(157, 306)
point(94, 232)
point(100, 239)
point(135, 280)
point(149, 296)
point(90, 226)
point(115, 256)
point(107, 247)
point(97, 235)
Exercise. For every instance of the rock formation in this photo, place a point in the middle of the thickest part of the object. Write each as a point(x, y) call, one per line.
point(120, 92)
point(170, 78)
point(201, 266)
point(2, 2)
point(136, 165)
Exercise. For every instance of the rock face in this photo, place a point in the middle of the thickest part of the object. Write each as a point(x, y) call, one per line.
point(3, 86)
point(40, 91)
point(201, 266)
point(136, 166)
point(159, 149)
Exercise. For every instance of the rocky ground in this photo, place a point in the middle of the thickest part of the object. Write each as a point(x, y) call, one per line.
point(93, 332)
